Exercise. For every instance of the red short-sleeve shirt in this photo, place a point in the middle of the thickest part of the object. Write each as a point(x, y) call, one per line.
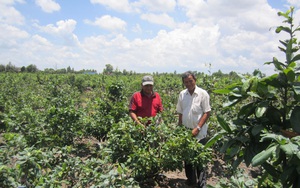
point(144, 106)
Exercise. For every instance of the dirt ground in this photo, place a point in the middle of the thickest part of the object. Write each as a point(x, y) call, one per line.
point(177, 179)
point(215, 172)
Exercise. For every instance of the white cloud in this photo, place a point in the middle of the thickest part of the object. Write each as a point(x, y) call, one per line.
point(193, 8)
point(118, 5)
point(234, 44)
point(246, 14)
point(48, 6)
point(10, 35)
point(179, 48)
point(161, 19)
point(157, 5)
point(9, 15)
point(63, 29)
point(109, 23)
point(137, 29)
point(41, 52)
point(252, 47)
point(127, 6)
point(41, 40)
point(11, 2)
point(295, 3)
point(244, 29)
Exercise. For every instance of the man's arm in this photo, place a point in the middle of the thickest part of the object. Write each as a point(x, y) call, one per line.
point(160, 106)
point(134, 117)
point(180, 119)
point(202, 121)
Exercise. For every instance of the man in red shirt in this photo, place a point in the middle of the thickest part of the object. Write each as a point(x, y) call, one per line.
point(145, 103)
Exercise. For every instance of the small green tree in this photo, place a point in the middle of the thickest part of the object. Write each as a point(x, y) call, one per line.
point(31, 68)
point(108, 69)
point(2, 68)
point(266, 130)
point(10, 67)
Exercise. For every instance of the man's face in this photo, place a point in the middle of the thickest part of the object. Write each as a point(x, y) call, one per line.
point(147, 89)
point(189, 83)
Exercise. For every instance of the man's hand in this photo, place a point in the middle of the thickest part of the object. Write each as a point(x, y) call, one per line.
point(195, 131)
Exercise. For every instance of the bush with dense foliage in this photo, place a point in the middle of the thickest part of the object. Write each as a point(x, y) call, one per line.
point(266, 130)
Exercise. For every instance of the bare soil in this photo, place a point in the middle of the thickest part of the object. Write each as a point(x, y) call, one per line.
point(215, 171)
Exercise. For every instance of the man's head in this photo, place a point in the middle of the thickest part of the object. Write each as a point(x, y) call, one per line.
point(147, 84)
point(187, 74)
point(147, 80)
point(189, 80)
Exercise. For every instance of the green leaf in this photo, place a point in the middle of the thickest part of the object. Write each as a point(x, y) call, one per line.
point(281, 49)
point(246, 110)
point(272, 80)
point(296, 58)
point(224, 124)
point(214, 139)
point(231, 102)
point(246, 86)
point(269, 79)
point(281, 28)
point(235, 95)
point(252, 94)
point(290, 74)
point(254, 84)
point(296, 140)
point(292, 65)
point(283, 43)
point(289, 52)
point(278, 138)
point(261, 109)
point(249, 153)
point(298, 154)
point(274, 115)
point(276, 63)
point(263, 156)
point(296, 87)
point(295, 119)
point(271, 170)
point(119, 170)
point(222, 91)
point(237, 162)
point(287, 173)
point(227, 145)
point(289, 148)
point(257, 129)
point(243, 139)
point(234, 150)
point(286, 15)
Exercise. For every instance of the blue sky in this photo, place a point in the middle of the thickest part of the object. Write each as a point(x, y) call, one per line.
point(143, 35)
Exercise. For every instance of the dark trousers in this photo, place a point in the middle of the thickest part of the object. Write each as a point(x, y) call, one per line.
point(196, 175)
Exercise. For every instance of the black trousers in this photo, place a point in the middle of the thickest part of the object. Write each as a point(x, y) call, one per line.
point(196, 175)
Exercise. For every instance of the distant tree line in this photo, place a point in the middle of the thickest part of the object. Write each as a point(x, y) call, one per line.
point(33, 68)
point(108, 70)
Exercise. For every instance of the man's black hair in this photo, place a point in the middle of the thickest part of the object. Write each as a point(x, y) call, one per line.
point(187, 74)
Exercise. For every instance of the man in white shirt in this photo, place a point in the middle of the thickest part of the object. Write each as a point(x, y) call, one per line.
point(194, 109)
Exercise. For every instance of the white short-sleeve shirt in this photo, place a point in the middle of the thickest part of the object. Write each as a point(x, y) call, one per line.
point(192, 107)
